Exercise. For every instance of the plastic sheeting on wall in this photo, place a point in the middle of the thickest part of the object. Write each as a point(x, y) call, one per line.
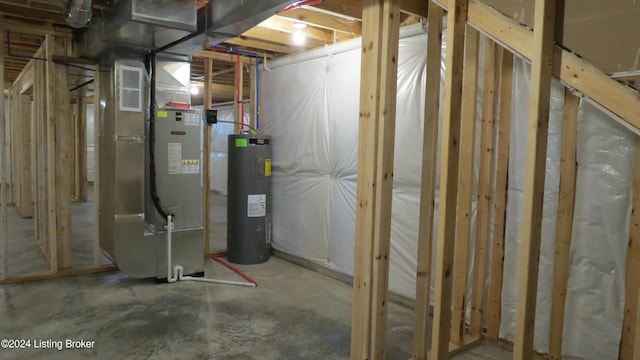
point(219, 152)
point(311, 110)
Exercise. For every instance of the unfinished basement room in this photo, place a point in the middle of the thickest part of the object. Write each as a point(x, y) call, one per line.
point(320, 179)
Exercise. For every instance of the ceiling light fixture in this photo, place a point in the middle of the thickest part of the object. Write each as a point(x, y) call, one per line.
point(194, 90)
point(299, 37)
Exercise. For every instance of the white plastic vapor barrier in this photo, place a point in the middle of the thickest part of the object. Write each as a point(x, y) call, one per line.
point(310, 108)
point(219, 142)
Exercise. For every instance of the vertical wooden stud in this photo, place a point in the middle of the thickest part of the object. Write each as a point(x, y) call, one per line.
point(26, 201)
point(253, 96)
point(494, 301)
point(450, 151)
point(628, 348)
point(636, 342)
point(529, 260)
point(206, 159)
point(428, 181)
point(97, 251)
point(51, 152)
point(380, 37)
point(80, 151)
point(237, 100)
point(42, 168)
point(63, 170)
point(4, 237)
point(485, 185)
point(564, 225)
point(465, 185)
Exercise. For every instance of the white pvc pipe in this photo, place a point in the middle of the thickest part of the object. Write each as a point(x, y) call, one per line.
point(170, 277)
point(178, 271)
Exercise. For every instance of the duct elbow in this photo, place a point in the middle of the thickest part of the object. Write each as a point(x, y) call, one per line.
point(78, 13)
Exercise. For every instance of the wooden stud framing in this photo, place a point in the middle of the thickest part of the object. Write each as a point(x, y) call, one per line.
point(79, 180)
point(237, 98)
point(42, 218)
point(253, 91)
point(381, 30)
point(450, 150)
point(51, 153)
point(541, 71)
point(428, 182)
point(465, 185)
point(206, 159)
point(636, 342)
point(494, 297)
point(4, 237)
point(629, 349)
point(574, 71)
point(63, 152)
point(564, 225)
point(97, 252)
point(485, 185)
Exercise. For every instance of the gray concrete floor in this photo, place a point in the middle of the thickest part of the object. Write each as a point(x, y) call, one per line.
point(295, 313)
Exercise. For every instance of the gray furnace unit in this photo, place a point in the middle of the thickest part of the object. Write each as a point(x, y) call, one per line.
point(249, 199)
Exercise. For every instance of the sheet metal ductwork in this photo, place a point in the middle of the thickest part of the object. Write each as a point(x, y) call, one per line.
point(154, 24)
point(78, 13)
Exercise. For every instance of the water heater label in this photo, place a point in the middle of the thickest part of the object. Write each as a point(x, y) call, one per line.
point(257, 205)
point(175, 158)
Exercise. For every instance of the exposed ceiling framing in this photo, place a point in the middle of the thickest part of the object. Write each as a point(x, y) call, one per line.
point(329, 22)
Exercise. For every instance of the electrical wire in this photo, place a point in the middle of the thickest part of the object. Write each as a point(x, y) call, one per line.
point(150, 64)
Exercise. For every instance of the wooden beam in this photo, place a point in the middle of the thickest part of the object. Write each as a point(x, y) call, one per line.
point(494, 301)
point(381, 31)
point(323, 20)
point(262, 45)
point(465, 186)
point(56, 275)
point(354, 9)
point(574, 71)
point(450, 152)
point(564, 225)
point(31, 14)
point(285, 25)
point(206, 158)
point(415, 7)
point(21, 27)
point(279, 37)
point(485, 185)
point(428, 183)
point(222, 57)
point(529, 260)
